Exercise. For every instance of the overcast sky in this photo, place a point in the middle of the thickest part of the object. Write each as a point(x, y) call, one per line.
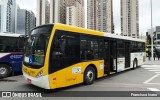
point(144, 13)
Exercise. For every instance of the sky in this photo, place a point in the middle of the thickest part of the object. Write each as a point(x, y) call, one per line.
point(144, 13)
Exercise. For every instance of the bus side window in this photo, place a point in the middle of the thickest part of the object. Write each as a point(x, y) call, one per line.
point(62, 44)
point(89, 48)
point(2, 48)
point(57, 48)
point(65, 50)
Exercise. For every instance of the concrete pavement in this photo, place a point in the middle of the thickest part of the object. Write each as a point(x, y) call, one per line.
point(144, 78)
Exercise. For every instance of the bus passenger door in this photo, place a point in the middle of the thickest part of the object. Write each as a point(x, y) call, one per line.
point(127, 54)
point(113, 56)
point(106, 57)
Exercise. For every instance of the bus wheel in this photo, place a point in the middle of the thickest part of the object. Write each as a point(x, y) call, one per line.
point(89, 75)
point(4, 71)
point(134, 64)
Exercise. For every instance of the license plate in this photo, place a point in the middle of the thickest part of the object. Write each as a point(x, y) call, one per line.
point(29, 80)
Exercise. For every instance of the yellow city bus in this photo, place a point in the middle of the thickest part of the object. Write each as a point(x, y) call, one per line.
point(58, 55)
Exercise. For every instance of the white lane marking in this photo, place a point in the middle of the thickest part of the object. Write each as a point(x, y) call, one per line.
point(151, 66)
point(153, 83)
point(153, 89)
point(154, 70)
point(147, 81)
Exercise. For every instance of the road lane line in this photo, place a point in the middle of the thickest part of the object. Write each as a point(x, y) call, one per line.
point(147, 81)
point(154, 70)
point(153, 89)
point(153, 83)
point(151, 66)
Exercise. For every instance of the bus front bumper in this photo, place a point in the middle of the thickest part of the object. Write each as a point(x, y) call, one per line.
point(40, 82)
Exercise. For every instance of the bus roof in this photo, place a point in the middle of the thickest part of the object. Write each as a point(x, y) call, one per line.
point(10, 34)
point(94, 32)
point(122, 37)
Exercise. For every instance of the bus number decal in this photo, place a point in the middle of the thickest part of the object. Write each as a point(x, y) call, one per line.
point(76, 70)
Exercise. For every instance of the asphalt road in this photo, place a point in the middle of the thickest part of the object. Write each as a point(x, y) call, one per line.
point(145, 78)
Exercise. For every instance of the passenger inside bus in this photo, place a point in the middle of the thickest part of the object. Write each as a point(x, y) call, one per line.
point(90, 55)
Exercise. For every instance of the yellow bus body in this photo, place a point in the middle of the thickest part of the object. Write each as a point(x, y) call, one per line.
point(65, 77)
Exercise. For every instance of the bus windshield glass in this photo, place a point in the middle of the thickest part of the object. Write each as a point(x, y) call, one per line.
point(36, 47)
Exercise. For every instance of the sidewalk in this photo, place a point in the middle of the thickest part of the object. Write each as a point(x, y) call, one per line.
point(155, 62)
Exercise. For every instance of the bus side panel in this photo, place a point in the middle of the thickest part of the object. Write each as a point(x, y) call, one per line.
point(99, 67)
point(74, 74)
point(17, 66)
point(57, 79)
point(14, 59)
point(140, 56)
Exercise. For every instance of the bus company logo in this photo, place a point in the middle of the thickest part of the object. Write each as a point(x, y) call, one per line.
point(16, 56)
point(6, 94)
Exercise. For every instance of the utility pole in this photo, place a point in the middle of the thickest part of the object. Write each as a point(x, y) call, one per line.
point(151, 33)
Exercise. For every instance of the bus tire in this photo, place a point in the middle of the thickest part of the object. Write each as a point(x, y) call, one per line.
point(134, 63)
point(89, 76)
point(4, 71)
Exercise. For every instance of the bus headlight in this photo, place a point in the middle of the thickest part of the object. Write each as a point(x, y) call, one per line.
point(39, 74)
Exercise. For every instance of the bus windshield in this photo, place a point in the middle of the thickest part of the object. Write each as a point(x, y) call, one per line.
point(35, 49)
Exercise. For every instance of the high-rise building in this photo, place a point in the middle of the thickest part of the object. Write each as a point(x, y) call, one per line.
point(75, 13)
point(0, 18)
point(100, 15)
point(30, 21)
point(26, 21)
point(130, 18)
point(8, 11)
point(58, 11)
point(21, 16)
point(105, 16)
point(43, 12)
point(32, 18)
point(92, 21)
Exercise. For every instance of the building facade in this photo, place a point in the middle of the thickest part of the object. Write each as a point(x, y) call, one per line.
point(92, 21)
point(58, 11)
point(43, 12)
point(75, 13)
point(130, 18)
point(155, 32)
point(100, 15)
point(32, 19)
point(105, 16)
point(8, 11)
point(26, 21)
point(21, 16)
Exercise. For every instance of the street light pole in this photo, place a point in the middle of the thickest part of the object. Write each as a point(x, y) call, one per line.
point(151, 33)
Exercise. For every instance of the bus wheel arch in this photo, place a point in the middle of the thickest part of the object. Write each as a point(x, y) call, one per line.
point(135, 63)
point(5, 70)
point(90, 74)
